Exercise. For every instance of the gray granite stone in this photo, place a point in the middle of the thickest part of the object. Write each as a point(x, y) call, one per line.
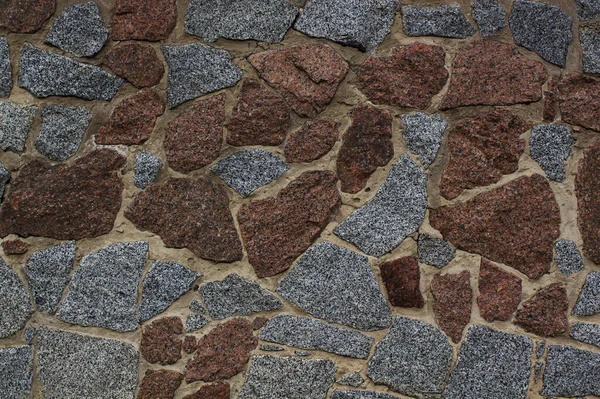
point(357, 23)
point(62, 131)
point(588, 302)
point(79, 30)
point(396, 211)
point(14, 302)
point(540, 348)
point(271, 348)
point(16, 369)
point(288, 377)
point(587, 333)
point(423, 135)
point(146, 169)
point(413, 359)
point(197, 307)
point(195, 321)
point(47, 274)
point(568, 259)
point(491, 365)
point(196, 70)
point(489, 15)
point(588, 9)
point(435, 251)
point(4, 179)
point(15, 124)
point(29, 335)
point(543, 28)
point(5, 69)
point(104, 289)
point(247, 170)
point(74, 365)
point(444, 21)
point(589, 36)
point(571, 372)
point(537, 370)
point(353, 379)
point(354, 394)
point(46, 74)
point(302, 353)
point(550, 146)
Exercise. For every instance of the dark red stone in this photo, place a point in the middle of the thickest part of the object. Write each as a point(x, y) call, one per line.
point(136, 63)
point(578, 99)
point(515, 224)
point(278, 230)
point(402, 278)
point(409, 77)
point(545, 313)
point(160, 384)
point(307, 75)
point(587, 186)
point(151, 20)
point(25, 16)
point(189, 213)
point(161, 341)
point(452, 296)
point(218, 390)
point(366, 145)
point(65, 202)
point(14, 247)
point(312, 141)
point(551, 99)
point(499, 292)
point(259, 323)
point(190, 344)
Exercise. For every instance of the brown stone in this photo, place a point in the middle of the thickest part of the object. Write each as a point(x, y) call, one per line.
point(259, 323)
point(492, 73)
point(151, 20)
point(132, 120)
point(545, 313)
point(194, 139)
point(307, 75)
point(189, 213)
point(25, 16)
point(312, 141)
point(587, 186)
point(223, 352)
point(161, 341)
point(551, 100)
point(14, 247)
point(190, 344)
point(578, 101)
point(136, 63)
point(499, 292)
point(160, 384)
point(278, 230)
point(452, 296)
point(402, 278)
point(409, 77)
point(218, 390)
point(65, 202)
point(515, 224)
point(366, 145)
point(481, 150)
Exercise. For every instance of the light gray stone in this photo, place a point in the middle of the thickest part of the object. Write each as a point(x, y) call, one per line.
point(15, 124)
point(588, 302)
point(571, 372)
point(550, 146)
point(62, 131)
point(587, 333)
point(195, 321)
point(15, 303)
point(396, 211)
point(537, 370)
point(104, 289)
point(540, 348)
point(302, 353)
point(589, 36)
point(29, 334)
point(197, 307)
point(588, 9)
point(435, 251)
point(489, 15)
point(423, 135)
point(444, 21)
point(271, 348)
point(5, 69)
point(354, 394)
point(338, 285)
point(16, 369)
point(4, 179)
point(146, 169)
point(353, 379)
point(568, 258)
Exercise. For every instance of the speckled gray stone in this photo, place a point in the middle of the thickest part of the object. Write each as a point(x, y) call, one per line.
point(15, 303)
point(588, 302)
point(489, 15)
point(47, 74)
point(62, 131)
point(338, 285)
point(435, 251)
point(302, 353)
point(444, 21)
point(571, 372)
point(29, 334)
point(146, 169)
point(354, 394)
point(164, 283)
point(568, 259)
point(357, 23)
point(197, 307)
point(74, 365)
point(195, 321)
point(537, 370)
point(423, 135)
point(47, 273)
point(307, 333)
point(4, 179)
point(196, 70)
point(589, 36)
point(235, 296)
point(588, 9)
point(396, 211)
point(16, 369)
point(491, 365)
point(247, 170)
point(587, 333)
point(550, 146)
point(288, 377)
point(540, 348)
point(104, 289)
point(5, 69)
point(413, 359)
point(543, 28)
point(15, 124)
point(271, 348)
point(353, 379)
point(79, 30)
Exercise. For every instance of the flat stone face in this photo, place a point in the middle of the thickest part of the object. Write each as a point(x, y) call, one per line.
point(452, 298)
point(499, 292)
point(396, 211)
point(160, 384)
point(567, 257)
point(587, 184)
point(575, 101)
point(162, 341)
point(16, 368)
point(146, 169)
point(489, 15)
point(550, 146)
point(15, 124)
point(14, 302)
point(445, 21)
point(65, 202)
point(352, 394)
point(402, 279)
point(62, 131)
point(5, 69)
point(587, 333)
point(353, 379)
point(150, 20)
point(104, 289)
point(189, 213)
point(545, 313)
point(307, 76)
point(409, 77)
point(571, 372)
point(515, 224)
point(277, 230)
point(218, 390)
point(434, 251)
point(587, 9)
point(588, 302)
point(413, 359)
point(423, 135)
point(589, 36)
point(338, 285)
point(136, 63)
point(26, 16)
point(312, 141)
point(14, 247)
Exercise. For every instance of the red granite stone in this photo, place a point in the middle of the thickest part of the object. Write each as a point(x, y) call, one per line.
point(14, 247)
point(499, 292)
point(65, 202)
point(136, 63)
point(402, 278)
point(481, 150)
point(578, 101)
point(259, 323)
point(278, 230)
point(307, 75)
point(515, 224)
point(25, 16)
point(587, 186)
point(492, 73)
point(161, 341)
point(545, 313)
point(312, 141)
point(452, 296)
point(151, 20)
point(551, 99)
point(160, 384)
point(366, 145)
point(218, 390)
point(190, 344)
point(409, 77)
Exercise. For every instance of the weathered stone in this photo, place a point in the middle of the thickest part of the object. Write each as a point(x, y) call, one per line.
point(396, 211)
point(423, 135)
point(489, 15)
point(190, 344)
point(402, 279)
point(588, 302)
point(577, 107)
point(15, 124)
point(136, 63)
point(315, 139)
point(218, 390)
point(25, 16)
point(161, 341)
point(277, 230)
point(515, 224)
point(452, 296)
point(159, 384)
point(338, 285)
point(353, 379)
point(567, 257)
point(587, 333)
point(14, 247)
point(545, 313)
point(16, 369)
point(589, 37)
point(65, 202)
point(151, 20)
point(587, 184)
point(587, 9)
point(146, 169)
point(550, 146)
point(499, 292)
point(434, 251)
point(571, 372)
point(14, 302)
point(444, 21)
point(307, 76)
point(409, 77)
point(354, 394)
point(413, 359)
point(5, 68)
point(62, 131)
point(195, 321)
point(189, 213)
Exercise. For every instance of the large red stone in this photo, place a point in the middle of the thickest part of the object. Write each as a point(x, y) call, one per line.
point(499, 292)
point(578, 101)
point(65, 202)
point(278, 230)
point(545, 313)
point(452, 297)
point(25, 16)
point(402, 278)
point(312, 141)
point(136, 63)
point(161, 341)
point(160, 384)
point(151, 20)
point(218, 390)
point(587, 186)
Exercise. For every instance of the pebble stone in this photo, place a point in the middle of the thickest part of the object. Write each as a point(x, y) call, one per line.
point(14, 302)
point(589, 36)
point(104, 289)
point(550, 146)
point(434, 251)
point(396, 211)
point(146, 169)
point(588, 302)
point(15, 124)
point(62, 131)
point(16, 369)
point(247, 170)
point(587, 333)
point(444, 21)
point(5, 69)
point(423, 135)
point(79, 30)
point(489, 15)
point(568, 259)
point(571, 372)
point(588, 9)
point(338, 285)
point(354, 394)
point(47, 273)
point(353, 379)
point(4, 179)
point(271, 348)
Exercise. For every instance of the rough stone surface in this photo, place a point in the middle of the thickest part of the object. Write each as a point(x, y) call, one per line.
point(499, 292)
point(434, 251)
point(396, 211)
point(515, 224)
point(135, 63)
point(452, 297)
point(355, 394)
point(588, 302)
point(577, 107)
point(25, 16)
point(14, 302)
point(402, 279)
point(190, 344)
point(445, 21)
point(489, 15)
point(353, 379)
point(62, 131)
point(14, 247)
point(4, 179)
point(218, 390)
point(312, 141)
point(15, 124)
point(571, 372)
point(150, 20)
point(551, 99)
point(259, 322)
point(545, 313)
point(567, 257)
point(587, 333)
point(195, 322)
point(159, 384)
point(277, 230)
point(146, 169)
point(587, 9)
point(338, 285)
point(589, 36)
point(162, 341)
point(550, 146)
point(16, 368)
point(5, 68)
point(271, 348)
point(413, 359)
point(540, 349)
point(423, 135)
point(587, 184)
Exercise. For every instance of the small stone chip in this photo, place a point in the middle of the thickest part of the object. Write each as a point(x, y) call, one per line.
point(550, 146)
point(15, 124)
point(4, 179)
point(571, 372)
point(489, 15)
point(62, 131)
point(5, 69)
point(146, 169)
point(354, 394)
point(589, 36)
point(14, 302)
point(587, 333)
point(353, 379)
point(588, 302)
point(16, 369)
point(423, 135)
point(444, 21)
point(588, 9)
point(567, 257)
point(540, 349)
point(271, 348)
point(195, 321)
point(435, 251)
point(14, 247)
